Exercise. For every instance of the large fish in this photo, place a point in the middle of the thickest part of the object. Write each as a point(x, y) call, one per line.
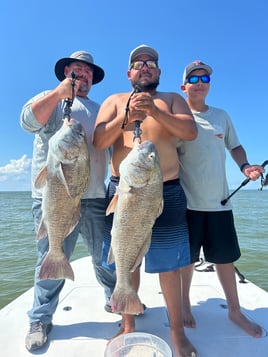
point(64, 179)
point(137, 203)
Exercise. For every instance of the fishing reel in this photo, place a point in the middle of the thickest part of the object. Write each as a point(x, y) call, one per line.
point(68, 102)
point(264, 181)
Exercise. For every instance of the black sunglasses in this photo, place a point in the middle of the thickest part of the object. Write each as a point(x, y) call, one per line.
point(195, 79)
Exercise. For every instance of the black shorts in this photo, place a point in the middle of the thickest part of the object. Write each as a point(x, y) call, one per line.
point(215, 232)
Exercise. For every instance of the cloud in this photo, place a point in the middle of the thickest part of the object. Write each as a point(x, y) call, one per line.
point(16, 174)
point(16, 167)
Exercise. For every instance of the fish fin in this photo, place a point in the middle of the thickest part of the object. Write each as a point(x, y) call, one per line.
point(144, 249)
point(110, 258)
point(137, 262)
point(126, 301)
point(74, 220)
point(42, 230)
point(41, 178)
point(160, 209)
point(74, 191)
point(124, 186)
point(61, 177)
point(56, 267)
point(111, 207)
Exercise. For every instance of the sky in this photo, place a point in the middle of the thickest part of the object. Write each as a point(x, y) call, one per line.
point(230, 36)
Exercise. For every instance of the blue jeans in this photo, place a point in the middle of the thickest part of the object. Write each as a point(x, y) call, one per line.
point(91, 228)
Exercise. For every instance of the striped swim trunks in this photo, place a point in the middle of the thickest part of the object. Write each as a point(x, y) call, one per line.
point(169, 249)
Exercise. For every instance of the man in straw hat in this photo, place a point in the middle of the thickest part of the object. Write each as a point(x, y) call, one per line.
point(42, 115)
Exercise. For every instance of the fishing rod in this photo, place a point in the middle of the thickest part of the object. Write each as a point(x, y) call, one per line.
point(69, 102)
point(264, 182)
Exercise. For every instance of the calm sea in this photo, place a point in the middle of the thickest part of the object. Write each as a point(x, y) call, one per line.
point(18, 253)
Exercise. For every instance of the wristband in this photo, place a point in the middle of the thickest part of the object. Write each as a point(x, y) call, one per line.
point(243, 166)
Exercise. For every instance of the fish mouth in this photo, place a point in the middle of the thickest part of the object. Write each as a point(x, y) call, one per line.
point(75, 135)
point(66, 143)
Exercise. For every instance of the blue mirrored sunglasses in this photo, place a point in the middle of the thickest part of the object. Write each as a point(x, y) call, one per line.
point(195, 79)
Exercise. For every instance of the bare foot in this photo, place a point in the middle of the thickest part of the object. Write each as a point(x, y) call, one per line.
point(188, 318)
point(127, 326)
point(182, 346)
point(248, 326)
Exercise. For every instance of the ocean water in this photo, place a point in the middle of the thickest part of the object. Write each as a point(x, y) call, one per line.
point(18, 251)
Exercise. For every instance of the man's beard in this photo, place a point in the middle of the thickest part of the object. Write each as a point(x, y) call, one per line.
point(83, 88)
point(146, 87)
point(83, 85)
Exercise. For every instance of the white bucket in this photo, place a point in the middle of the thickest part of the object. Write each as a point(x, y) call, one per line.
point(138, 344)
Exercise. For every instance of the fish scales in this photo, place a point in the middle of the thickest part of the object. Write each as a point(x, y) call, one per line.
point(64, 179)
point(136, 205)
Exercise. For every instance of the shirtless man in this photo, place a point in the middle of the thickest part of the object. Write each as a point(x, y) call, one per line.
point(165, 118)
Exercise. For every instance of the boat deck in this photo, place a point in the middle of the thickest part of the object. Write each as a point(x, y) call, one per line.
point(82, 327)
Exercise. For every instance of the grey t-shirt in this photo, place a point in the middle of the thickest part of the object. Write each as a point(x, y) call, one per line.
point(202, 161)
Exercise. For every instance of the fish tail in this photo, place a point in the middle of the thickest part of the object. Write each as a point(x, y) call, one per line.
point(56, 268)
point(126, 302)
